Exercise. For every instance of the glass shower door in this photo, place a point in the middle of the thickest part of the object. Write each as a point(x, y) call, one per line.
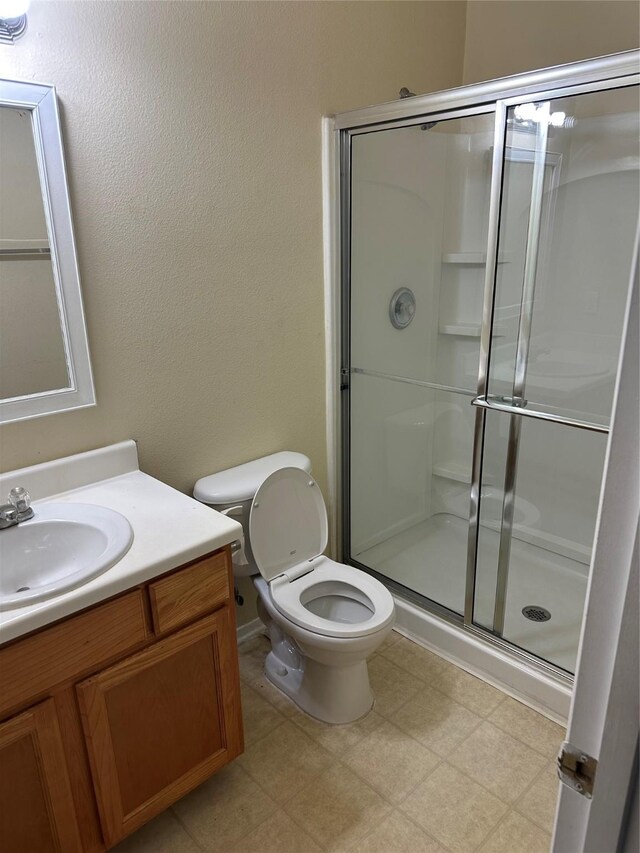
point(568, 218)
point(418, 218)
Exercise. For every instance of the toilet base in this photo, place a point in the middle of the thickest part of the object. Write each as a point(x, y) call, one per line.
point(331, 694)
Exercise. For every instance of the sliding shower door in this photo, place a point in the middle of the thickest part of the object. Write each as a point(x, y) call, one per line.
point(568, 218)
point(419, 210)
point(486, 252)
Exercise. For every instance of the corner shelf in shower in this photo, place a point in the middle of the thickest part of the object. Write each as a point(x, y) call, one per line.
point(468, 330)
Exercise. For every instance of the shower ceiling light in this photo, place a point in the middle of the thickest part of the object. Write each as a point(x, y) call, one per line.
point(13, 20)
point(531, 114)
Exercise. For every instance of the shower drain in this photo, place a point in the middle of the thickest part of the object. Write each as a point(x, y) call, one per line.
point(536, 613)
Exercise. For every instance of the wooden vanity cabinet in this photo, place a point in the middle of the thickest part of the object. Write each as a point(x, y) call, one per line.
point(135, 703)
point(37, 811)
point(161, 722)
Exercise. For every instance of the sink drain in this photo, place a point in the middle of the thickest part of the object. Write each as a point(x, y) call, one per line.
point(536, 613)
point(23, 589)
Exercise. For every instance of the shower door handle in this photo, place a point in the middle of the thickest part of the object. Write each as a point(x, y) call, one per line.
point(494, 406)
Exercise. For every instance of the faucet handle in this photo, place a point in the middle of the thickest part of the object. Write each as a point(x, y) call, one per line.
point(21, 500)
point(8, 516)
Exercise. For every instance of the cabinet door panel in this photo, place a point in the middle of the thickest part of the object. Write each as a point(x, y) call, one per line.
point(36, 805)
point(160, 722)
point(179, 695)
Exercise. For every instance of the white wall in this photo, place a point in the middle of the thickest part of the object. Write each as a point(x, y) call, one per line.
point(508, 36)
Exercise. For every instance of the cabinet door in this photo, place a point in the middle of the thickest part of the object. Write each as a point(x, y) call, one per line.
point(160, 722)
point(36, 805)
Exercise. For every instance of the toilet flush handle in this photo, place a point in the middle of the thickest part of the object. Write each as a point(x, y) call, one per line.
point(237, 547)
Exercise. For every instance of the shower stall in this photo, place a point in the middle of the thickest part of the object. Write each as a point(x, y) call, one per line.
point(483, 246)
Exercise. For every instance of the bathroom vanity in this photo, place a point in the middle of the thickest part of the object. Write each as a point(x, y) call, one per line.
point(120, 696)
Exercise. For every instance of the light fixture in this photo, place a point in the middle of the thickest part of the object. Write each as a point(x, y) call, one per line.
point(532, 114)
point(13, 20)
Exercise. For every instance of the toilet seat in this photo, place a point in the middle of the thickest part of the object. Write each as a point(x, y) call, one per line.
point(288, 532)
point(293, 597)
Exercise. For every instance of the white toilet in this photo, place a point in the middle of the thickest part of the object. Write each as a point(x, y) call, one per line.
point(324, 619)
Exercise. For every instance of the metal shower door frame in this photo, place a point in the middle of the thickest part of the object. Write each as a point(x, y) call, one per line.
point(610, 72)
point(346, 367)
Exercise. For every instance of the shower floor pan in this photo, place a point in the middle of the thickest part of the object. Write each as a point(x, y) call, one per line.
point(431, 559)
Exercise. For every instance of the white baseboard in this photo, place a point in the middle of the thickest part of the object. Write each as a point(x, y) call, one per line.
point(535, 689)
point(250, 630)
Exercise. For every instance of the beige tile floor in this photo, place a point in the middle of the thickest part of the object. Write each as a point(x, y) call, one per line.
point(444, 762)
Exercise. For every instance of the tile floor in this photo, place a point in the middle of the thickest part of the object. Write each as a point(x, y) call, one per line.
point(444, 762)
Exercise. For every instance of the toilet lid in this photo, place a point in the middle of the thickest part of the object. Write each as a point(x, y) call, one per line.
point(288, 522)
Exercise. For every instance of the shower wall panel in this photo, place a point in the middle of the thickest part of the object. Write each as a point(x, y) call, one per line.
point(396, 237)
point(589, 217)
point(419, 201)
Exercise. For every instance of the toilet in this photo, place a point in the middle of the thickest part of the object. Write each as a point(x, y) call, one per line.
point(324, 619)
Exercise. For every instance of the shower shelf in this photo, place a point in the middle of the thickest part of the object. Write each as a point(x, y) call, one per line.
point(452, 471)
point(468, 330)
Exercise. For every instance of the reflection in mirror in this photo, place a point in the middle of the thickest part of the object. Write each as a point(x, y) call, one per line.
point(44, 354)
point(32, 351)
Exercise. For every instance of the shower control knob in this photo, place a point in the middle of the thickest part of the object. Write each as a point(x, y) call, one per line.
point(402, 308)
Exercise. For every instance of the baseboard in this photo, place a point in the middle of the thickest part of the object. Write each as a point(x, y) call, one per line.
point(250, 630)
point(535, 689)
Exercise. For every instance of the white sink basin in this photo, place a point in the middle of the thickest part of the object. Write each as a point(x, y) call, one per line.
point(62, 547)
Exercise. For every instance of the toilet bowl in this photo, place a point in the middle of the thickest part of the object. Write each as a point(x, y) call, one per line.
point(324, 619)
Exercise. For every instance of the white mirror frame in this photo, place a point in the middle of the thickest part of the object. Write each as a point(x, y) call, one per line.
point(41, 101)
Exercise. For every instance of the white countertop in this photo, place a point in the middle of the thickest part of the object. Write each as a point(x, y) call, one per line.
point(169, 528)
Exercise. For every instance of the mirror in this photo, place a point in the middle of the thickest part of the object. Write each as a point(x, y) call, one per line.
point(44, 355)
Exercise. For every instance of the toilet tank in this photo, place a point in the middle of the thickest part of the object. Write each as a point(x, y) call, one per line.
point(232, 491)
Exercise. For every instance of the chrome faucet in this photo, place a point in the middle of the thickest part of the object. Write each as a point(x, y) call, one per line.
point(17, 509)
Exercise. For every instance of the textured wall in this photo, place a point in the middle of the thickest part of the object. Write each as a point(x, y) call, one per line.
point(192, 135)
point(507, 36)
